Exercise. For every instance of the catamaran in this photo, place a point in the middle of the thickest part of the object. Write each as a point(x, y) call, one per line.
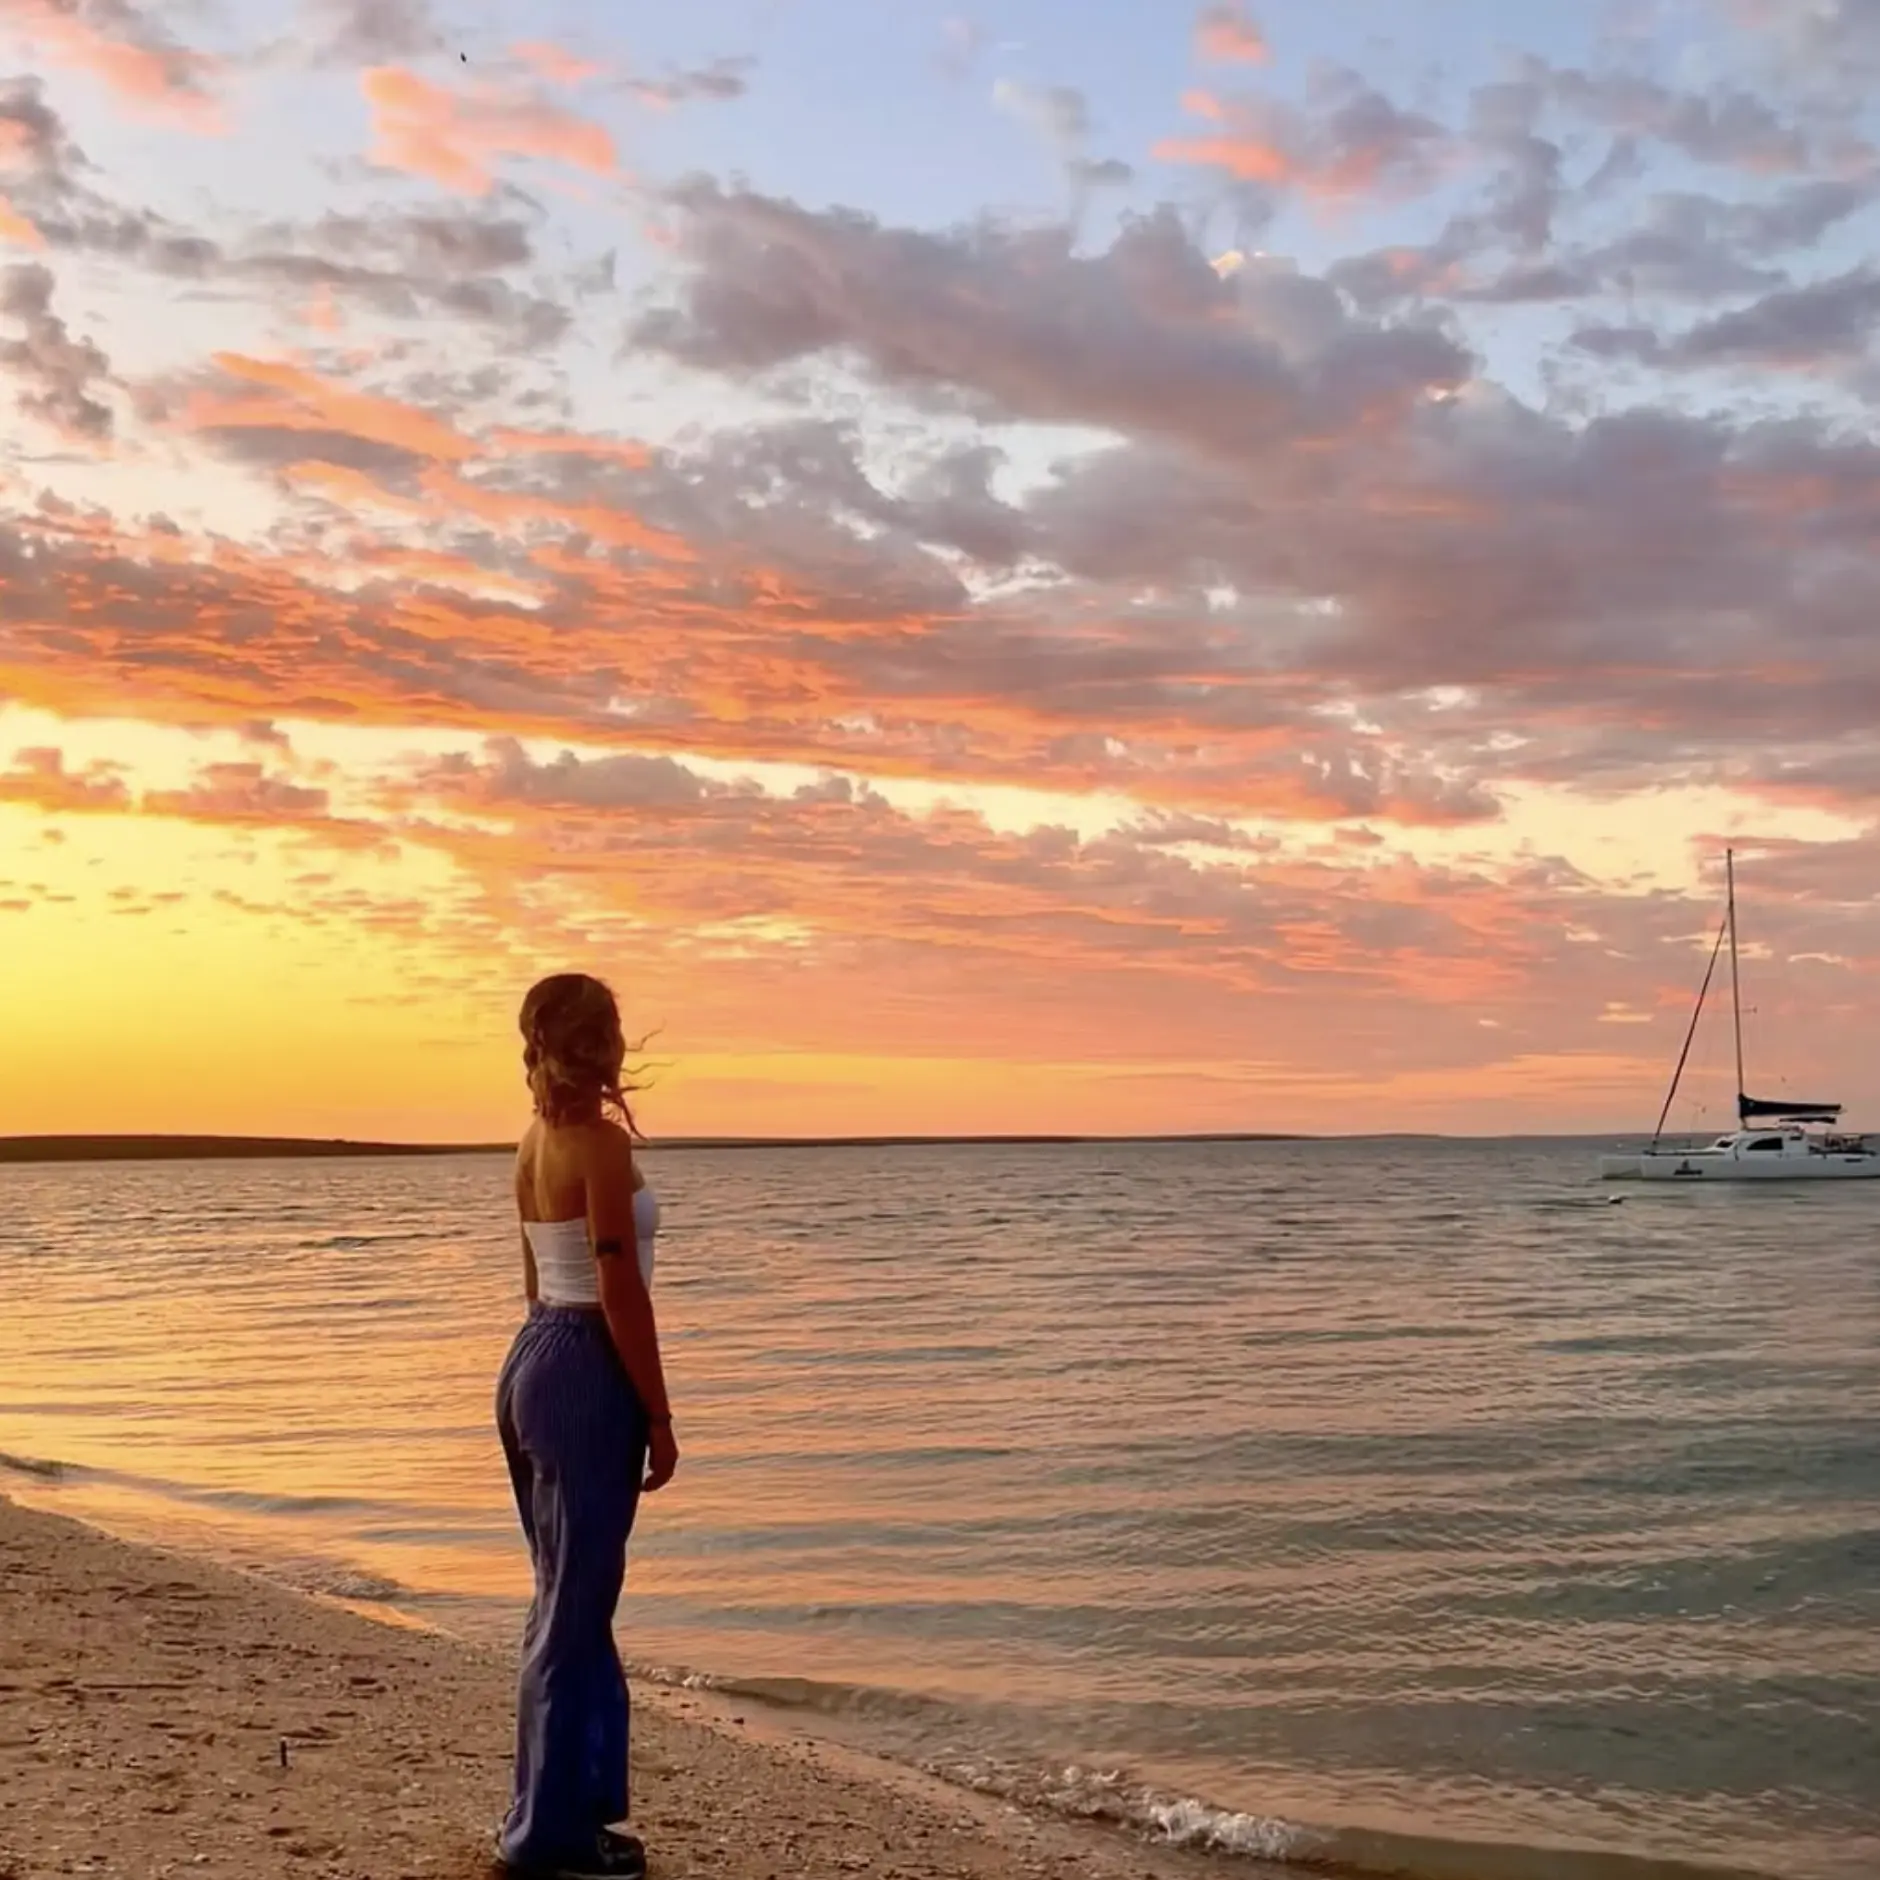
point(1775, 1140)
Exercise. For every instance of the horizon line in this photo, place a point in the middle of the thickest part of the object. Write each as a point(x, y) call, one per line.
point(154, 1146)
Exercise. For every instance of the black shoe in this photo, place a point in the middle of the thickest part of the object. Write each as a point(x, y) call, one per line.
point(613, 1857)
point(631, 1847)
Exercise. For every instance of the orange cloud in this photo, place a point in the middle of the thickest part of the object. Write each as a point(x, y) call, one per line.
point(726, 658)
point(15, 228)
point(824, 920)
point(1250, 159)
point(138, 60)
point(1226, 35)
point(454, 137)
point(295, 399)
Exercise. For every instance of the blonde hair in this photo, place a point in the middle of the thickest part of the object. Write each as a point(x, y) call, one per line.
point(573, 1050)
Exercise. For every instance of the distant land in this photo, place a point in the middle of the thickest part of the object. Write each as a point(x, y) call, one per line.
point(216, 1148)
point(18, 1149)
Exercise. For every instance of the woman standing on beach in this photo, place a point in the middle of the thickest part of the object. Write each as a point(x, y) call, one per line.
point(582, 1410)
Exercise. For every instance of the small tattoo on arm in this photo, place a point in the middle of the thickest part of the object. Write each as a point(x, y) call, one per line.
point(611, 1245)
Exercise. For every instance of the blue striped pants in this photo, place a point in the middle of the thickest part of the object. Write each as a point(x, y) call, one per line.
point(574, 1433)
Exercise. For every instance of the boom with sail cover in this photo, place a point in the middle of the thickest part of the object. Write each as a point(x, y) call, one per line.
point(1749, 1108)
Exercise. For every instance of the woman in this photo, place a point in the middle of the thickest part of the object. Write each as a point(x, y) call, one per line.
point(581, 1406)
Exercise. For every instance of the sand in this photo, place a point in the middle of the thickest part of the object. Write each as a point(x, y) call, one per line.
point(162, 1715)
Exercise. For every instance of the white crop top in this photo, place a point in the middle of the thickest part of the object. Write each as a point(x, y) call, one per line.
point(565, 1272)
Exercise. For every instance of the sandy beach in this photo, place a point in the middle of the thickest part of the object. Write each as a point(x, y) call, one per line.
point(162, 1715)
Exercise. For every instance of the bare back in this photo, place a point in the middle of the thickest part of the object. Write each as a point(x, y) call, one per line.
point(559, 1167)
point(553, 1163)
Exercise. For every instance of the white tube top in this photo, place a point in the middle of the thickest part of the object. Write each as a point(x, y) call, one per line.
point(565, 1272)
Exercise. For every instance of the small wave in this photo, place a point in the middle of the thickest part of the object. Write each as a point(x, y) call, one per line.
point(817, 1696)
point(1109, 1797)
point(331, 1579)
point(44, 1469)
point(351, 1243)
point(1112, 1799)
point(237, 1500)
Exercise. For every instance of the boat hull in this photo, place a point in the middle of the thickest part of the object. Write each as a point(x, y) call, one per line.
point(1709, 1166)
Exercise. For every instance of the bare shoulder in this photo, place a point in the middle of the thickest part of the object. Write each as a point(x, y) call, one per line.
point(606, 1148)
point(525, 1165)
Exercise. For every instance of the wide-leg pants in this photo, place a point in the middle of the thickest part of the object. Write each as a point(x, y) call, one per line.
point(574, 1433)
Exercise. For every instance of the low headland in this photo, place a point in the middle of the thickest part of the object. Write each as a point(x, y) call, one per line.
point(107, 1148)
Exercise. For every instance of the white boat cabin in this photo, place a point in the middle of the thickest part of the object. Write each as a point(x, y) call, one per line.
point(1784, 1151)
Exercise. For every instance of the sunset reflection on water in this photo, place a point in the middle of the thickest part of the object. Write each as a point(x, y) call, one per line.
point(1359, 1482)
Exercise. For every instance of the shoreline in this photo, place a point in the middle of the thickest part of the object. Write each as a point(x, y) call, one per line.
point(166, 1715)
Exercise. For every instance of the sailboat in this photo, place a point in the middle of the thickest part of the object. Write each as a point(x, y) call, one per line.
point(1773, 1140)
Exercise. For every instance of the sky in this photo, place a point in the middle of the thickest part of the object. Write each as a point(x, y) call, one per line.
point(1094, 567)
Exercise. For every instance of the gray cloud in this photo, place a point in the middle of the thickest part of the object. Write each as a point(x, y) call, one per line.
point(722, 81)
point(1816, 327)
point(1725, 127)
point(398, 264)
point(1831, 43)
point(369, 32)
point(629, 781)
point(34, 136)
point(59, 374)
point(1822, 321)
point(1526, 194)
point(1061, 115)
point(273, 447)
point(1144, 337)
point(417, 241)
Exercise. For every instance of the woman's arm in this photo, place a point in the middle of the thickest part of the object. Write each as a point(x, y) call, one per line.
point(528, 1252)
point(624, 1298)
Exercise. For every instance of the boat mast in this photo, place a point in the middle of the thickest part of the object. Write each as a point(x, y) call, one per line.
point(1697, 1012)
point(1736, 993)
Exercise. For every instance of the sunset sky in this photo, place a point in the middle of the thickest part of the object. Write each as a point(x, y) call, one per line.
point(1062, 566)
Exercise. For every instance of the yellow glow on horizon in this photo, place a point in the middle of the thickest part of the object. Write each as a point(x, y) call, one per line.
point(160, 974)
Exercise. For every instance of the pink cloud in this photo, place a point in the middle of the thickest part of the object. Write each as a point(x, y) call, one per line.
point(1226, 35)
point(117, 45)
point(1361, 145)
point(39, 777)
point(455, 138)
point(556, 64)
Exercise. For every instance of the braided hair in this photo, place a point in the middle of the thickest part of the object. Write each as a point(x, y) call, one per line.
point(573, 1050)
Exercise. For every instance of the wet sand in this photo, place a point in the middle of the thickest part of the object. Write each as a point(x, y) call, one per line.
point(161, 1715)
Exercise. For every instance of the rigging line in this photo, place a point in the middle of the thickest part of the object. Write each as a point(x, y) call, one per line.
point(1736, 995)
point(1723, 927)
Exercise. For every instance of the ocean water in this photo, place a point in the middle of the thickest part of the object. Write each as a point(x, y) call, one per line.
point(1382, 1506)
